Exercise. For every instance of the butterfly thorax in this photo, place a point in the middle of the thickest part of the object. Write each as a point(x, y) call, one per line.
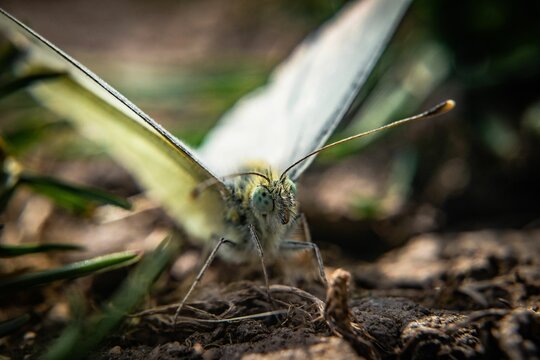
point(265, 202)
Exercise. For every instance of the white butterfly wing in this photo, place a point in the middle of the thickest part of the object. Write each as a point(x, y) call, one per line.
point(164, 165)
point(294, 114)
point(306, 96)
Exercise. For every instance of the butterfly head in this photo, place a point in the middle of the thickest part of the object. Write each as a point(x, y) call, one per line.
point(274, 198)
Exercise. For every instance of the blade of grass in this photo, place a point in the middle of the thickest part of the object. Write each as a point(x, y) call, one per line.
point(13, 324)
point(80, 337)
point(18, 250)
point(78, 198)
point(11, 86)
point(78, 269)
point(29, 133)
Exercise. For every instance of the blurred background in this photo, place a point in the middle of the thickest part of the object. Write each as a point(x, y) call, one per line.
point(186, 62)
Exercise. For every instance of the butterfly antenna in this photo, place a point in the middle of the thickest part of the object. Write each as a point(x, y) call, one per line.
point(213, 181)
point(439, 109)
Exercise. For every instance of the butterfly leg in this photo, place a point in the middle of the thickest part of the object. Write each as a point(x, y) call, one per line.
point(309, 245)
point(200, 275)
point(260, 252)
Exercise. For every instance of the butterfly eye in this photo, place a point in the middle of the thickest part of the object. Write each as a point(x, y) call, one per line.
point(292, 186)
point(261, 200)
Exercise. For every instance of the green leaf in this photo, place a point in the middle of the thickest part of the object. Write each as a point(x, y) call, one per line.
point(74, 270)
point(11, 86)
point(82, 336)
point(29, 133)
point(13, 324)
point(18, 250)
point(76, 198)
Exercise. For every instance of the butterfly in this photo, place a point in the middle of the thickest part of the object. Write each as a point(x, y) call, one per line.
point(240, 185)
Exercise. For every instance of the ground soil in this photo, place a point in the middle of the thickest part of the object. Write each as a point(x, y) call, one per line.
point(463, 295)
point(469, 295)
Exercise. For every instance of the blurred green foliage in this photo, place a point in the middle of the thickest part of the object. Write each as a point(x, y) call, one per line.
point(27, 132)
point(8, 285)
point(25, 249)
point(13, 175)
point(8, 326)
point(485, 54)
point(84, 333)
point(494, 52)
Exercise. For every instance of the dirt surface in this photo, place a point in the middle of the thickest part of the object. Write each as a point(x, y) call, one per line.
point(465, 295)
point(470, 295)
